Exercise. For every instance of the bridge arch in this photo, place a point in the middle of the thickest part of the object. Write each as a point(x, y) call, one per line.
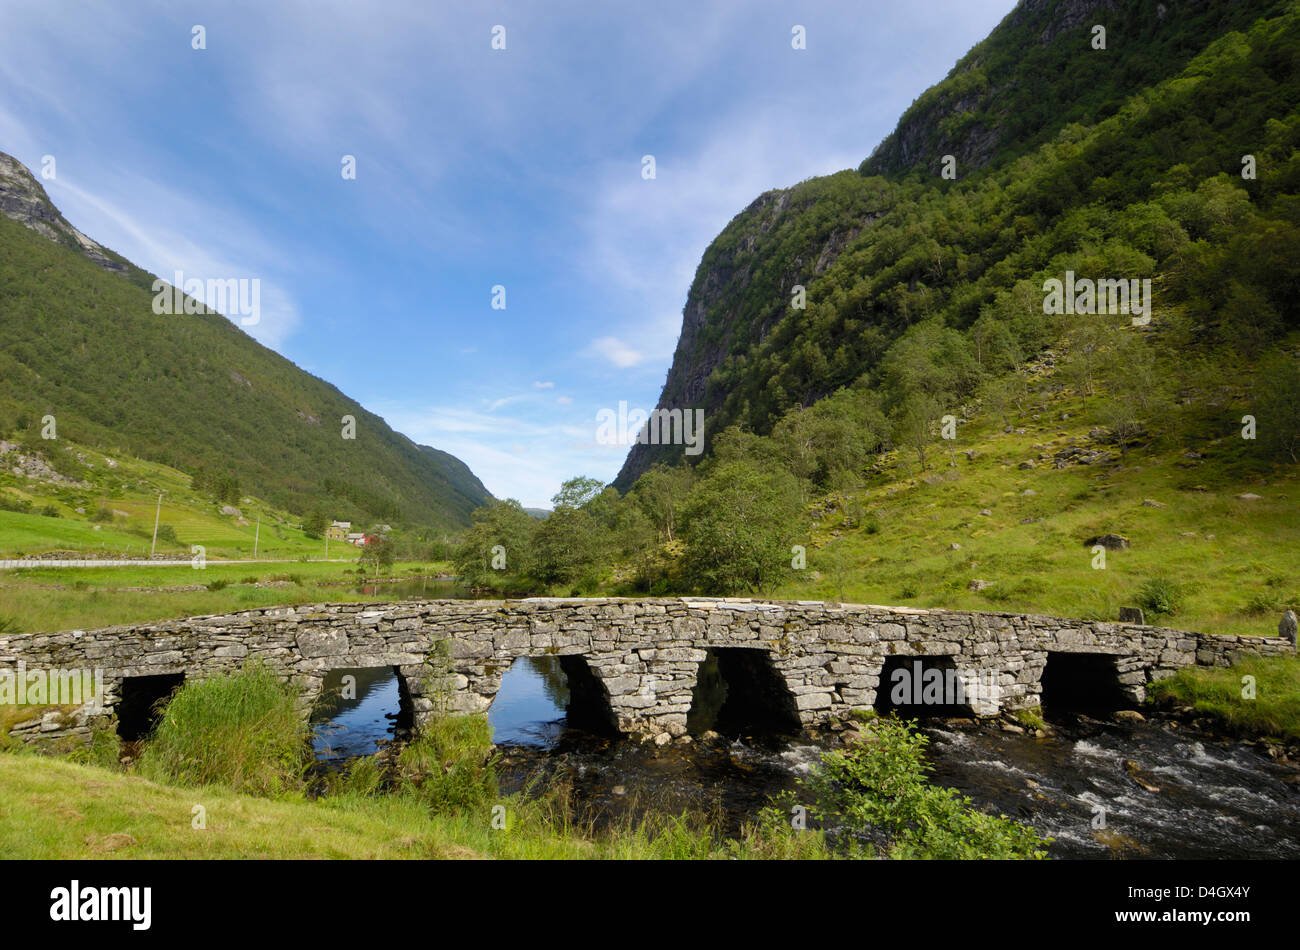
point(739, 691)
point(568, 681)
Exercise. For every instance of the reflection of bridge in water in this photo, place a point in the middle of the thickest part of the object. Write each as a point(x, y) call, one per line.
point(634, 664)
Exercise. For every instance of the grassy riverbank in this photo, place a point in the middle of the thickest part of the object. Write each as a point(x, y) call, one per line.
point(53, 808)
point(1258, 696)
point(225, 774)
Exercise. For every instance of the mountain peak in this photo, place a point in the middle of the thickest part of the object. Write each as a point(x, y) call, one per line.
point(23, 199)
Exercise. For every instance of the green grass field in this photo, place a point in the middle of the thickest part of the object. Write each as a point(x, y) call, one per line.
point(1234, 562)
point(47, 599)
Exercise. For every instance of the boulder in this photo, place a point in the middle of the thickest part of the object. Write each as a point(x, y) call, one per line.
point(1132, 615)
point(1111, 542)
point(1287, 627)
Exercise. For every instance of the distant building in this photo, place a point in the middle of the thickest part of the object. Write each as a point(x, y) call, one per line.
point(356, 537)
point(382, 528)
point(338, 530)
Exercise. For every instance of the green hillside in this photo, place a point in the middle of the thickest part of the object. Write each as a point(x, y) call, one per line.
point(70, 499)
point(195, 392)
point(1123, 163)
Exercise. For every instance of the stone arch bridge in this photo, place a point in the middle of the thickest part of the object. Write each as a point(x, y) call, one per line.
point(821, 660)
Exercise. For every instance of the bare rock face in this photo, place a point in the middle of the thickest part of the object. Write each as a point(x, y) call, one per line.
point(719, 294)
point(23, 199)
point(1065, 14)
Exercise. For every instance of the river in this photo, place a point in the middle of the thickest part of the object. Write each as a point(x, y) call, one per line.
point(1101, 789)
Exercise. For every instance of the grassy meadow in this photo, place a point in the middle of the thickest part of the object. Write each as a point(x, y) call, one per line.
point(1232, 562)
point(48, 599)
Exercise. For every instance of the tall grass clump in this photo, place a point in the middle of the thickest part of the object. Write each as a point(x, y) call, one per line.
point(1159, 595)
point(450, 764)
point(241, 731)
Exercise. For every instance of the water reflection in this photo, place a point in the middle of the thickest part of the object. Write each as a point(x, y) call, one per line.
point(358, 711)
point(529, 708)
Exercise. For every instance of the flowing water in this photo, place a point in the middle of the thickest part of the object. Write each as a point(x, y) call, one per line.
point(1100, 789)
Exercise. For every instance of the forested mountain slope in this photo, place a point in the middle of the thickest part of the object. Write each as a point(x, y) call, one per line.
point(1169, 155)
point(79, 341)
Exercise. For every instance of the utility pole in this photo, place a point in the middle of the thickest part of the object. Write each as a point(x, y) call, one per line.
point(157, 514)
point(257, 536)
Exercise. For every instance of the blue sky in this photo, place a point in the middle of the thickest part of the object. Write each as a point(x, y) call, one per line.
point(474, 168)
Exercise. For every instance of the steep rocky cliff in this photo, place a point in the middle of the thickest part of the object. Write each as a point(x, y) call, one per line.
point(744, 284)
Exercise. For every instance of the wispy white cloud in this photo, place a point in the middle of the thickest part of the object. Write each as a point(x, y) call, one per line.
point(615, 351)
point(517, 456)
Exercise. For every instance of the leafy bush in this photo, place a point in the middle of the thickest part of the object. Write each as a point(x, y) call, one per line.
point(241, 730)
point(738, 526)
point(880, 784)
point(1264, 602)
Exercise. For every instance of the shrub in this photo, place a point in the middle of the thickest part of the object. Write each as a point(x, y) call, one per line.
point(1266, 602)
point(219, 584)
point(1160, 595)
point(241, 730)
point(12, 503)
point(879, 784)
